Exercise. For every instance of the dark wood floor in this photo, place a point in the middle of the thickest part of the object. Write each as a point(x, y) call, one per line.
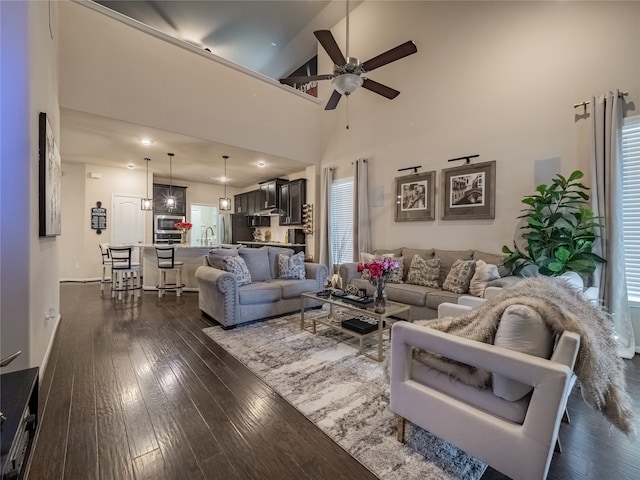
point(139, 391)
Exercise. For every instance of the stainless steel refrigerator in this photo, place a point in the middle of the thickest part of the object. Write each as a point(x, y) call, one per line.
point(240, 231)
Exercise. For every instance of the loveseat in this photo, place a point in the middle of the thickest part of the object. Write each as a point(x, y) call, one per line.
point(269, 284)
point(424, 300)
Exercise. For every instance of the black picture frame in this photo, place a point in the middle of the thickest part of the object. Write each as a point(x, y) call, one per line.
point(415, 197)
point(50, 173)
point(469, 192)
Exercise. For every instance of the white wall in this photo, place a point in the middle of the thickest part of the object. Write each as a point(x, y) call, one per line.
point(29, 264)
point(497, 79)
point(79, 253)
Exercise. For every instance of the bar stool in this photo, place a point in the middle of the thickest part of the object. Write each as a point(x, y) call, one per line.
point(125, 274)
point(106, 265)
point(167, 263)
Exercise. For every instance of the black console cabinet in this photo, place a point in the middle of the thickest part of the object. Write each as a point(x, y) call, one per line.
point(19, 404)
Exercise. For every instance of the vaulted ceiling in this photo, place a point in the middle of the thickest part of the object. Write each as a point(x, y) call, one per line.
point(272, 38)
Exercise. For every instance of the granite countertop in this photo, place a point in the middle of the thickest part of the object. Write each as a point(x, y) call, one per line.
point(186, 245)
point(275, 244)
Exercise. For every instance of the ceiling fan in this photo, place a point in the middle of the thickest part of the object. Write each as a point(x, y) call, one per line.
point(347, 71)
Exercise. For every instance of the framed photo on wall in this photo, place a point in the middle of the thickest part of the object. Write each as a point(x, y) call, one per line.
point(50, 174)
point(469, 192)
point(415, 197)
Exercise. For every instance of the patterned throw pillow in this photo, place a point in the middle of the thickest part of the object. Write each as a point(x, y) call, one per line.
point(424, 272)
point(396, 274)
point(291, 267)
point(459, 276)
point(238, 267)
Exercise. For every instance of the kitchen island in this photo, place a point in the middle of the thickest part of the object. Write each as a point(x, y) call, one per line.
point(191, 255)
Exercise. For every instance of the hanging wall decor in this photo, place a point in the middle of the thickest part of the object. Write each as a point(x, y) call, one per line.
point(98, 218)
point(415, 197)
point(469, 192)
point(50, 173)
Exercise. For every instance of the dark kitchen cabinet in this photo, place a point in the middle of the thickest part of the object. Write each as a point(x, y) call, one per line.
point(241, 203)
point(256, 201)
point(293, 195)
point(271, 193)
point(160, 195)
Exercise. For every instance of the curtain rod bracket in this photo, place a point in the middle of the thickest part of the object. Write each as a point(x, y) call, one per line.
point(467, 158)
point(415, 169)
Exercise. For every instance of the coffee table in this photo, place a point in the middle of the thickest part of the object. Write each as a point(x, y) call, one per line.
point(336, 305)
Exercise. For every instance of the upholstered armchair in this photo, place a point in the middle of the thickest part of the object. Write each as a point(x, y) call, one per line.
point(514, 436)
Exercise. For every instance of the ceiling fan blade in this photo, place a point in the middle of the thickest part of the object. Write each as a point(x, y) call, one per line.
point(325, 37)
point(333, 100)
point(300, 80)
point(380, 89)
point(389, 56)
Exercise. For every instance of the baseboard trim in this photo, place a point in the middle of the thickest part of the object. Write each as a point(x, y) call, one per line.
point(80, 280)
point(47, 353)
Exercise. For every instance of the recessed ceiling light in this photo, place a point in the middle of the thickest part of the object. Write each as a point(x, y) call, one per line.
point(261, 164)
point(131, 165)
point(145, 141)
point(274, 44)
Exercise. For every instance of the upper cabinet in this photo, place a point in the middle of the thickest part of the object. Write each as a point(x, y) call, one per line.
point(271, 193)
point(293, 195)
point(160, 195)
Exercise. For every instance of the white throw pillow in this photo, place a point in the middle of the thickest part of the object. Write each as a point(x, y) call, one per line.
point(521, 329)
point(484, 273)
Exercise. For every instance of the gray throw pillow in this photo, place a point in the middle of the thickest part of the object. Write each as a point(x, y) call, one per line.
point(216, 256)
point(238, 268)
point(257, 260)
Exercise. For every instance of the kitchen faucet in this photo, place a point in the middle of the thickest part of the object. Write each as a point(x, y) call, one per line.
point(206, 235)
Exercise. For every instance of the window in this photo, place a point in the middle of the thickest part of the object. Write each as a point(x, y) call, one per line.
point(631, 204)
point(342, 221)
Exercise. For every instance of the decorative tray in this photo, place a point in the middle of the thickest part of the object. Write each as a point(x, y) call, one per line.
point(361, 325)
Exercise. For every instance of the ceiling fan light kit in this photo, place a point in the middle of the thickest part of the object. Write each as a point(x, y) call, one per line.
point(347, 72)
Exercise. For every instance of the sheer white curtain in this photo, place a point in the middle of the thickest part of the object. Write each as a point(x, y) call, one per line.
point(606, 200)
point(361, 235)
point(325, 223)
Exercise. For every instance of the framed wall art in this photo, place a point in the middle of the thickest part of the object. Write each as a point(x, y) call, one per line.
point(469, 192)
point(415, 197)
point(49, 180)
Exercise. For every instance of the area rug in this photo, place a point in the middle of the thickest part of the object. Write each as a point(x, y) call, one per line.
point(344, 394)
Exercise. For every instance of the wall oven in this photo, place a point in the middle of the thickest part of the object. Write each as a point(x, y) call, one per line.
point(164, 230)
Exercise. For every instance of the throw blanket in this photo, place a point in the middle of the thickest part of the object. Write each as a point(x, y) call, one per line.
point(598, 367)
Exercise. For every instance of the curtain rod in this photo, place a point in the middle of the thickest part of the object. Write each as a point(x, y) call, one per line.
point(585, 103)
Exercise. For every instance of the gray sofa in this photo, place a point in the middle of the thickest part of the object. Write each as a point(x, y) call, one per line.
point(424, 301)
point(221, 298)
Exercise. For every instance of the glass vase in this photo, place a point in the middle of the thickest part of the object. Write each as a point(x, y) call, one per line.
point(183, 236)
point(379, 297)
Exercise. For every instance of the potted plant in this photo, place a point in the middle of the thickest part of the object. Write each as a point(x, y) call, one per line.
point(559, 230)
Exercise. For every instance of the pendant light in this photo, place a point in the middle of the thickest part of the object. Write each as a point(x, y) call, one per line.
point(147, 203)
point(171, 200)
point(224, 203)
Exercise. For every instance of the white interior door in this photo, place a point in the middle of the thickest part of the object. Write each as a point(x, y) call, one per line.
point(127, 222)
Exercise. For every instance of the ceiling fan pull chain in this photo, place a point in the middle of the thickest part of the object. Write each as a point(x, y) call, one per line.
point(347, 127)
